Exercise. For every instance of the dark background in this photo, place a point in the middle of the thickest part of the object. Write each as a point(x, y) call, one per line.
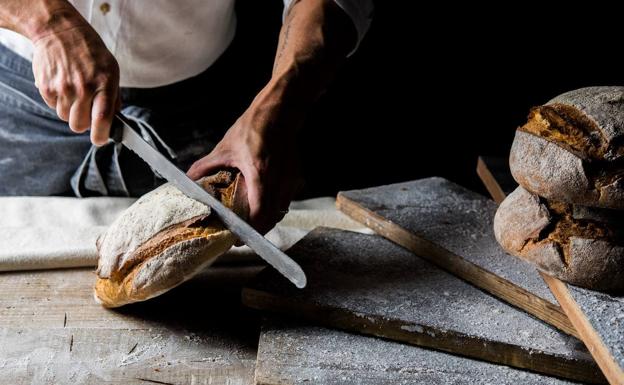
point(432, 88)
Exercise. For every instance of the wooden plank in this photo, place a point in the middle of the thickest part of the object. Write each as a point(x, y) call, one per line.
point(291, 353)
point(368, 284)
point(598, 317)
point(452, 227)
point(52, 331)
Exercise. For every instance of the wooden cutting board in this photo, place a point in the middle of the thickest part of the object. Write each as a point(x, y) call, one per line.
point(290, 353)
point(368, 284)
point(598, 317)
point(451, 226)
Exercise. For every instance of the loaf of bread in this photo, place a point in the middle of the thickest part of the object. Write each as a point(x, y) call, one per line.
point(572, 149)
point(580, 245)
point(164, 239)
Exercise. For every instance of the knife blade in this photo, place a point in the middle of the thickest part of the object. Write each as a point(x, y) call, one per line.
point(122, 132)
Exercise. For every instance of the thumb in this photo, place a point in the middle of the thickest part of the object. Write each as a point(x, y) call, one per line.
point(258, 208)
point(206, 165)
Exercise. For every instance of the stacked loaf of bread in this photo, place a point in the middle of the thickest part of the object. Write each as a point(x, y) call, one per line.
point(567, 215)
point(164, 239)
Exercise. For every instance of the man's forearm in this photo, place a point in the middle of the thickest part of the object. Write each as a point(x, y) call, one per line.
point(38, 18)
point(314, 41)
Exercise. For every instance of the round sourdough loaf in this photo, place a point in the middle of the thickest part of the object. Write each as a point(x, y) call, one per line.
point(164, 239)
point(572, 148)
point(580, 245)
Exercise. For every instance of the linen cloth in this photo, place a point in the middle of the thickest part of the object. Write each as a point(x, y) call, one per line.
point(60, 232)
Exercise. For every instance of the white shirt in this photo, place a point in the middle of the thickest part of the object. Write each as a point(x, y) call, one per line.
point(159, 42)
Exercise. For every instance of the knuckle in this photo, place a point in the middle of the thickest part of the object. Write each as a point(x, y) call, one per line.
point(81, 92)
point(47, 91)
point(66, 87)
point(102, 78)
point(98, 119)
point(83, 87)
point(79, 81)
point(102, 113)
point(260, 165)
point(90, 85)
point(61, 110)
point(113, 66)
point(107, 76)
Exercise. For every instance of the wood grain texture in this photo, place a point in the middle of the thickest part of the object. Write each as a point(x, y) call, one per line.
point(53, 332)
point(598, 317)
point(296, 354)
point(452, 227)
point(86, 356)
point(368, 284)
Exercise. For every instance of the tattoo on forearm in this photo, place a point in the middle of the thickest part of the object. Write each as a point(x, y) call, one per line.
point(286, 36)
point(282, 47)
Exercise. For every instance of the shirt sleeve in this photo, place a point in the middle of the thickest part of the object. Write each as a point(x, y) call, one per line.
point(359, 11)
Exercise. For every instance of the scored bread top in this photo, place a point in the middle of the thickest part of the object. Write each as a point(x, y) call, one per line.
point(588, 122)
point(604, 106)
point(143, 221)
point(176, 248)
point(572, 148)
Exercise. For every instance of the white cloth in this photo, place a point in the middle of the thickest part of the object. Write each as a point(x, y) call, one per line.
point(159, 42)
point(54, 232)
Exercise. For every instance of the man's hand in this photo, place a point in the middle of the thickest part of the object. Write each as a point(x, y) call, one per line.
point(264, 151)
point(74, 71)
point(314, 41)
point(77, 75)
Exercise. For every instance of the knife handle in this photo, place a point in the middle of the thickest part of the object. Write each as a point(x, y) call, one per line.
point(116, 130)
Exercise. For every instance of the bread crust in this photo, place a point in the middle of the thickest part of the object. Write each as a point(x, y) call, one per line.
point(164, 239)
point(580, 245)
point(572, 148)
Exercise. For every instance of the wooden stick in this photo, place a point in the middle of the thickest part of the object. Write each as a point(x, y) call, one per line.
point(489, 181)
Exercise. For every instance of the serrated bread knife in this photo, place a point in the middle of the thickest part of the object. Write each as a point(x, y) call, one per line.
point(122, 132)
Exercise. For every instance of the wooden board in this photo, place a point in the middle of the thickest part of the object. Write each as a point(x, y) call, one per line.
point(598, 317)
point(290, 353)
point(368, 284)
point(53, 332)
point(451, 226)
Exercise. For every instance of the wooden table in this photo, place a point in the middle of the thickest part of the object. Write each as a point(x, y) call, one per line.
point(52, 331)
